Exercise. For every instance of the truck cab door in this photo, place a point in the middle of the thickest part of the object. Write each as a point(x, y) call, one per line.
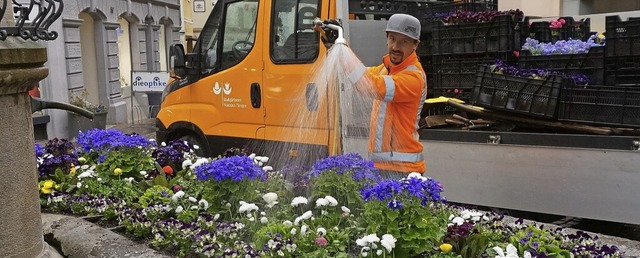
point(297, 115)
point(228, 102)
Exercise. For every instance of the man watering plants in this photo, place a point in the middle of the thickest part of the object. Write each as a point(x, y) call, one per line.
point(398, 87)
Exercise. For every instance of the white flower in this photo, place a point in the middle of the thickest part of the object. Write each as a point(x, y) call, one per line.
point(270, 197)
point(307, 215)
point(176, 196)
point(298, 200)
point(303, 230)
point(332, 201)
point(293, 231)
point(379, 252)
point(247, 207)
point(526, 254)
point(388, 242)
point(345, 209)
point(264, 159)
point(195, 147)
point(163, 144)
point(86, 174)
point(267, 168)
point(186, 163)
point(372, 238)
point(216, 217)
point(324, 212)
point(204, 204)
point(416, 175)
point(264, 220)
point(252, 219)
point(194, 207)
point(322, 202)
point(321, 231)
point(193, 199)
point(512, 252)
point(79, 184)
point(287, 223)
point(458, 221)
point(128, 179)
point(99, 179)
point(297, 221)
point(365, 254)
point(143, 173)
point(179, 209)
point(252, 156)
point(84, 167)
point(199, 162)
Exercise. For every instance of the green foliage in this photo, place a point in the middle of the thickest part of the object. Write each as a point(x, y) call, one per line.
point(155, 195)
point(66, 182)
point(163, 179)
point(130, 160)
point(340, 186)
point(417, 228)
point(540, 240)
point(224, 196)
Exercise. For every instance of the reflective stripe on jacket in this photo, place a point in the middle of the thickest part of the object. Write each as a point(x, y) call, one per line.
point(400, 90)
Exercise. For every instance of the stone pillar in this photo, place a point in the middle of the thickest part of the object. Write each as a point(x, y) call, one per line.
point(21, 67)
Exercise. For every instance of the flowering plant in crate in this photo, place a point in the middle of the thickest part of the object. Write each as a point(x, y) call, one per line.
point(563, 47)
point(502, 68)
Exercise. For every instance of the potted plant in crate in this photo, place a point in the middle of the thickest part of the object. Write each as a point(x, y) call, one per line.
point(80, 123)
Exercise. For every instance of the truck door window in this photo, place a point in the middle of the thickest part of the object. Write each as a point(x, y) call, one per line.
point(293, 39)
point(239, 31)
point(238, 21)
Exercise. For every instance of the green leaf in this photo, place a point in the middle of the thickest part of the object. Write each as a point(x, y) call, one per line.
point(392, 215)
point(161, 180)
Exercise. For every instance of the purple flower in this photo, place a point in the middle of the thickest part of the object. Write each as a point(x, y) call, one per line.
point(236, 168)
point(105, 140)
point(362, 169)
point(395, 205)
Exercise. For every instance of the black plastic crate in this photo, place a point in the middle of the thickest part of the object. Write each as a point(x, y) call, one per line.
point(622, 70)
point(623, 37)
point(503, 34)
point(590, 64)
point(571, 30)
point(382, 10)
point(537, 97)
point(606, 105)
point(428, 12)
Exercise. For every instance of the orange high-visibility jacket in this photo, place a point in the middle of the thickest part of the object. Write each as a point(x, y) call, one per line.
point(399, 93)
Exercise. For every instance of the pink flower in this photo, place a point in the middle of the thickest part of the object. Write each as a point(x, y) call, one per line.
point(321, 241)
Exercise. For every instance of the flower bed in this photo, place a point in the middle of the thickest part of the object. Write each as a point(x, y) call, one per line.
point(238, 206)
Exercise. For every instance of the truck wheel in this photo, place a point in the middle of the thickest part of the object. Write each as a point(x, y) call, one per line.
point(194, 140)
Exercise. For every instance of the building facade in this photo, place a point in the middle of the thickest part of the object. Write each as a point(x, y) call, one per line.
point(100, 42)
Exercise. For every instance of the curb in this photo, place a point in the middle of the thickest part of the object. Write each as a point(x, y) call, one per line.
point(76, 237)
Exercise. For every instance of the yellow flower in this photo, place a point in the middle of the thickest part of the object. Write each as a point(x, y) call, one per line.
point(46, 187)
point(82, 160)
point(72, 171)
point(600, 36)
point(446, 248)
point(117, 171)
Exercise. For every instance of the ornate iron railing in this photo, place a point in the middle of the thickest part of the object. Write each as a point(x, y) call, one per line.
point(47, 11)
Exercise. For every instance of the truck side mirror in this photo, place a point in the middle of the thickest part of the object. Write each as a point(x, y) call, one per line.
point(176, 55)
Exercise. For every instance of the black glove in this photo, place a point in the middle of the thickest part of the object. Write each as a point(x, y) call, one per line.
point(328, 35)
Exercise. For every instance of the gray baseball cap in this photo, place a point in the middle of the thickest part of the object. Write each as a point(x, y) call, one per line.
point(404, 24)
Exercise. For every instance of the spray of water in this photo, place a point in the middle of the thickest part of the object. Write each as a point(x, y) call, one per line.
point(334, 104)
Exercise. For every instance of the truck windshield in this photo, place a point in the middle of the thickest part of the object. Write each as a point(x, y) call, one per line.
point(237, 32)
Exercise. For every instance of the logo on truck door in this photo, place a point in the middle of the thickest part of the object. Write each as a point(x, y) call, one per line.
point(227, 101)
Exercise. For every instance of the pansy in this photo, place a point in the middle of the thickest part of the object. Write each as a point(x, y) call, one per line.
point(298, 200)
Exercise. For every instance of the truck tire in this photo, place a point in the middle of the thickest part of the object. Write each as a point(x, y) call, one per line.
point(195, 140)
